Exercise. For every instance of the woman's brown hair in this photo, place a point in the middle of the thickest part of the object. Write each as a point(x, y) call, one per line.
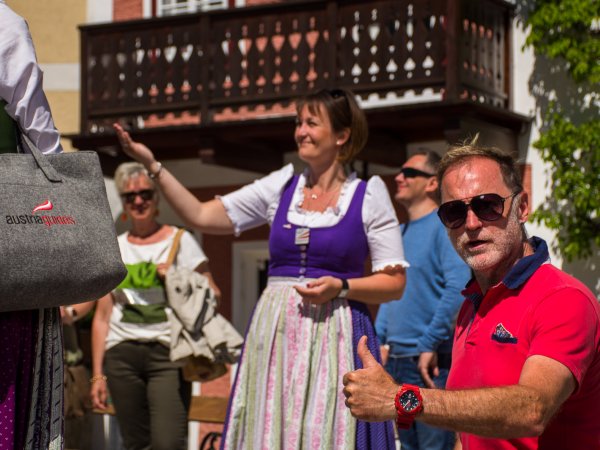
point(344, 113)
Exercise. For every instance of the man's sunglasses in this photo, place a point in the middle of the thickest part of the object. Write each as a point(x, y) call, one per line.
point(409, 172)
point(146, 195)
point(488, 207)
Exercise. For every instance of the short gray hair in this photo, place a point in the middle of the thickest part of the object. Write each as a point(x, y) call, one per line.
point(509, 168)
point(129, 170)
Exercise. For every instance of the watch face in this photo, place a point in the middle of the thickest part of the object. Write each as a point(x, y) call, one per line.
point(409, 401)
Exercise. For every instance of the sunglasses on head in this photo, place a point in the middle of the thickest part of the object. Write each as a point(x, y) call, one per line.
point(409, 172)
point(337, 93)
point(488, 207)
point(145, 195)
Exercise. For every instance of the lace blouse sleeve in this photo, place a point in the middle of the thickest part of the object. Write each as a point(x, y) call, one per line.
point(382, 228)
point(254, 204)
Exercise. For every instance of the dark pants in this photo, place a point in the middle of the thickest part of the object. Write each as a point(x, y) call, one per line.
point(421, 436)
point(150, 397)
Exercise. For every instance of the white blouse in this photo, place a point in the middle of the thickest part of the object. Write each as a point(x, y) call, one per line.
point(256, 204)
point(189, 255)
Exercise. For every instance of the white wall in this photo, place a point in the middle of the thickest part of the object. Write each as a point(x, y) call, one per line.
point(534, 82)
point(99, 11)
point(524, 103)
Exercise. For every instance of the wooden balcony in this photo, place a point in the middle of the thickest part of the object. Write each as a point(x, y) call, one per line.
point(220, 85)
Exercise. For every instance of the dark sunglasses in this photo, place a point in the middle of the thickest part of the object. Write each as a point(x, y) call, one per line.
point(146, 195)
point(409, 172)
point(488, 207)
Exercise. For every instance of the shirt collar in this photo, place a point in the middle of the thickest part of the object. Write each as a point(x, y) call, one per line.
point(525, 267)
point(518, 274)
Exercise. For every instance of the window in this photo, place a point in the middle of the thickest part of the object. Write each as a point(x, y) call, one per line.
point(174, 7)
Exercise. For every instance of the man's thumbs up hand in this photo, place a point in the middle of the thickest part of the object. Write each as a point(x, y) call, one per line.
point(370, 391)
point(368, 360)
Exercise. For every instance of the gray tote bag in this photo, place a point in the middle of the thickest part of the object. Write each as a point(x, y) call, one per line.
point(58, 244)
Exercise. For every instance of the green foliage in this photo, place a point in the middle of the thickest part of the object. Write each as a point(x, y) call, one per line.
point(573, 209)
point(568, 29)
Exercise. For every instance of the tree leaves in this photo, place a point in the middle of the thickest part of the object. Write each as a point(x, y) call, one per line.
point(568, 29)
point(573, 208)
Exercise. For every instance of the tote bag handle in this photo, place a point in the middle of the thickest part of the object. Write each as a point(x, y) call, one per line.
point(42, 162)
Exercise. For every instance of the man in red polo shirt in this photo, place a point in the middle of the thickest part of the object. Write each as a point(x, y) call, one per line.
point(526, 358)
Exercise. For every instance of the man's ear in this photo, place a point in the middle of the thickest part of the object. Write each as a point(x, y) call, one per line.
point(523, 207)
point(432, 186)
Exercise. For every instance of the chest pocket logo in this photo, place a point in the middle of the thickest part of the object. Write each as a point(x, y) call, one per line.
point(503, 336)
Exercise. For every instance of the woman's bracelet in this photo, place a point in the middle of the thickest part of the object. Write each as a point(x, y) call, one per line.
point(98, 377)
point(155, 175)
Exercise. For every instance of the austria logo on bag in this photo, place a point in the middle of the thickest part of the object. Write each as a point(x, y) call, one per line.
point(40, 219)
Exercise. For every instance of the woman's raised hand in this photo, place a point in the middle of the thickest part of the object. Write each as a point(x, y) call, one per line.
point(133, 149)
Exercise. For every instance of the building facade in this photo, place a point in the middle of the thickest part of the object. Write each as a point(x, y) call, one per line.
point(207, 84)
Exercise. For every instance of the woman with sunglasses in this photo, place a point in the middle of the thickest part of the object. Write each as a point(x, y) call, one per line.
point(130, 332)
point(304, 331)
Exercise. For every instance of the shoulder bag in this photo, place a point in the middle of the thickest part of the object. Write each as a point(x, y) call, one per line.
point(201, 338)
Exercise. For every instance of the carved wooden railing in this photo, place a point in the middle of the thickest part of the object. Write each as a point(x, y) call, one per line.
point(235, 63)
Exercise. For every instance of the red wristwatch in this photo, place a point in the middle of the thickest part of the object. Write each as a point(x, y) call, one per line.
point(408, 403)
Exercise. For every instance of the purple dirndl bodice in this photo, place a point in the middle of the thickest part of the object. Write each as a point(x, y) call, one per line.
point(340, 251)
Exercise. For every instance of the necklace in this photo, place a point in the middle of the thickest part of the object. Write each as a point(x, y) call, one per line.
point(314, 201)
point(315, 195)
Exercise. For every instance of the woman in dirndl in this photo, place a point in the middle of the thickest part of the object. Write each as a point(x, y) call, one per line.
point(326, 224)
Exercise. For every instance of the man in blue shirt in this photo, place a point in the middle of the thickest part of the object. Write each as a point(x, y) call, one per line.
point(416, 331)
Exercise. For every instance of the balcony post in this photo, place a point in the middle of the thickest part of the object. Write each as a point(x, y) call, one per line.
point(83, 79)
point(507, 18)
point(205, 65)
point(453, 41)
point(332, 59)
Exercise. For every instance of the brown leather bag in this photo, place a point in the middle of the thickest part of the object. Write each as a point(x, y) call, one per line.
point(77, 388)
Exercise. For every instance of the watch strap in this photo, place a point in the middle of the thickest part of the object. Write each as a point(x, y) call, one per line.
point(404, 418)
point(404, 422)
point(345, 288)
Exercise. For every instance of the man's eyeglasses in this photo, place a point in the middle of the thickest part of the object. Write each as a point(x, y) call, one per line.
point(145, 195)
point(488, 207)
point(409, 172)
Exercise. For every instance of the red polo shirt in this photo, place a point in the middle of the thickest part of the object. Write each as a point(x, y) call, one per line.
point(536, 310)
